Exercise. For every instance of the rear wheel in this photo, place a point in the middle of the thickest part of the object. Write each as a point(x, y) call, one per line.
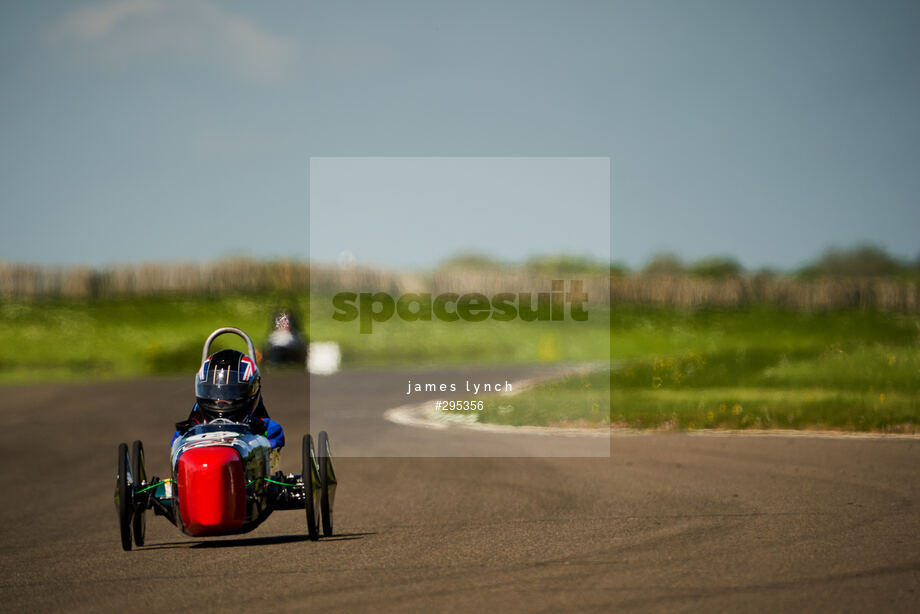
point(124, 496)
point(327, 482)
point(311, 487)
point(139, 473)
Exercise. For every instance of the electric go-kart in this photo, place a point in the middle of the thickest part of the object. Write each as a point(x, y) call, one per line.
point(220, 480)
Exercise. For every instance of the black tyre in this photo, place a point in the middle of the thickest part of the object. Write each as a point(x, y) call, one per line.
point(311, 487)
point(139, 473)
point(124, 496)
point(327, 482)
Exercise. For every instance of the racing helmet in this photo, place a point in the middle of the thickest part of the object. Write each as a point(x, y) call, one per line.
point(227, 386)
point(282, 321)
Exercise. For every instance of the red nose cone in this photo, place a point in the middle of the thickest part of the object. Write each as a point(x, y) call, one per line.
point(211, 489)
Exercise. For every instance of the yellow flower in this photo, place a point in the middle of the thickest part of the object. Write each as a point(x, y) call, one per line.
point(548, 348)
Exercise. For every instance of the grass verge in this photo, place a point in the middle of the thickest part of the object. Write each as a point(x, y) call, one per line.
point(760, 368)
point(130, 337)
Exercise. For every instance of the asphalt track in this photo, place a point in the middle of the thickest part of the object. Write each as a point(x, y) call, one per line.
point(666, 522)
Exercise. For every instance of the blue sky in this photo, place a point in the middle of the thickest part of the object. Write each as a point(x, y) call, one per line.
point(158, 130)
point(438, 207)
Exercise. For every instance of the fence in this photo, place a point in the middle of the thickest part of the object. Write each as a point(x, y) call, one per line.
point(235, 276)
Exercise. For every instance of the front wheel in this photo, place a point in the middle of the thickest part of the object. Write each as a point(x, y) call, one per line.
point(124, 496)
point(311, 487)
point(327, 482)
point(139, 473)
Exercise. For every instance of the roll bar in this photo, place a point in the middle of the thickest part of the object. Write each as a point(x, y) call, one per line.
point(228, 329)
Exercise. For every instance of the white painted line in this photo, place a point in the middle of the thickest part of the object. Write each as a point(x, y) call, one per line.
point(803, 434)
point(423, 415)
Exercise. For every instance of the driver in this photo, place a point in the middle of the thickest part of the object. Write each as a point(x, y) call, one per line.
point(228, 386)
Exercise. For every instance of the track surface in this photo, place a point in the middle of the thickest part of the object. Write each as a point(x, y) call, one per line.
point(667, 522)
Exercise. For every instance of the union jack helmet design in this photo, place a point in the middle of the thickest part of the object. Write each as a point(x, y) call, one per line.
point(227, 386)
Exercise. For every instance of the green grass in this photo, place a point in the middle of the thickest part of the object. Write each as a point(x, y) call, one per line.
point(435, 342)
point(60, 340)
point(580, 400)
point(760, 368)
point(116, 338)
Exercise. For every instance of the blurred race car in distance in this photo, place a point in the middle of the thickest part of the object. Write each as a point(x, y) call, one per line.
point(286, 344)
